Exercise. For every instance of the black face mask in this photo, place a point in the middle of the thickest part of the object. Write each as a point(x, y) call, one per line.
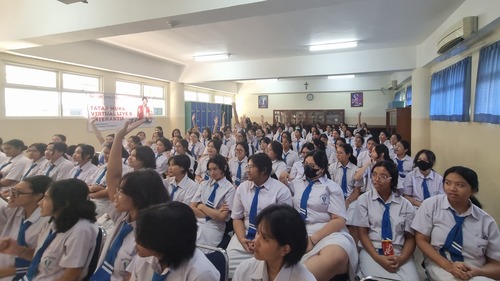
point(423, 165)
point(309, 172)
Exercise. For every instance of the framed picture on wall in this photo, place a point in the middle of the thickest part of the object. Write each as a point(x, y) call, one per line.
point(357, 99)
point(263, 101)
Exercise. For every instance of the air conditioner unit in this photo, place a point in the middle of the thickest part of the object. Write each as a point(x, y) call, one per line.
point(457, 33)
point(392, 86)
point(72, 1)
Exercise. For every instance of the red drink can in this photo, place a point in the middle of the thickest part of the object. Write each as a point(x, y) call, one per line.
point(387, 248)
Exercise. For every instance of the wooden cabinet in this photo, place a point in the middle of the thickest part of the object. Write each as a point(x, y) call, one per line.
point(398, 120)
point(310, 117)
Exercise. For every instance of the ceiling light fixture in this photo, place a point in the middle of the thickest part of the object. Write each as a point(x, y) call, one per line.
point(211, 57)
point(342, 76)
point(333, 46)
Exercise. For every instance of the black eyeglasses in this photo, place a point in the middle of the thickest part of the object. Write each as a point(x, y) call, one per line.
point(13, 192)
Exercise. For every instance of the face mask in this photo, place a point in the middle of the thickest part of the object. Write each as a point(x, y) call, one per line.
point(309, 172)
point(423, 165)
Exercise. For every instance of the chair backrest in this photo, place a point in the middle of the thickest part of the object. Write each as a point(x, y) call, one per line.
point(101, 238)
point(219, 259)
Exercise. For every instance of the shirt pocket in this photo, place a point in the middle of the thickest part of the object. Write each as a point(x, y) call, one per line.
point(479, 249)
point(399, 225)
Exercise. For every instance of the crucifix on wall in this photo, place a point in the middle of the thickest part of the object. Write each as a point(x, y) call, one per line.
point(305, 85)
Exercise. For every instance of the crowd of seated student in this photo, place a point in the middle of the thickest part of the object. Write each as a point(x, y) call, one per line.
point(348, 204)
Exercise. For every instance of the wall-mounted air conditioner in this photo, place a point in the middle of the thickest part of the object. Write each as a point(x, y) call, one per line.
point(72, 1)
point(457, 33)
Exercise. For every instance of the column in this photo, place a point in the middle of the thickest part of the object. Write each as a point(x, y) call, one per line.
point(176, 111)
point(420, 126)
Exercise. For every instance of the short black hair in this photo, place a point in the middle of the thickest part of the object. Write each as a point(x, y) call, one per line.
point(136, 140)
point(38, 184)
point(145, 188)
point(88, 151)
point(469, 175)
point(180, 160)
point(262, 162)
point(244, 144)
point(18, 144)
point(277, 148)
point(40, 147)
point(320, 158)
point(279, 220)
point(146, 155)
point(221, 163)
point(431, 157)
point(381, 148)
point(166, 143)
point(155, 232)
point(217, 143)
point(60, 146)
point(61, 136)
point(393, 172)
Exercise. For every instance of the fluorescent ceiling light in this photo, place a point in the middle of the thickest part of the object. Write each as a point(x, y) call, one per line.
point(211, 57)
point(341, 76)
point(333, 46)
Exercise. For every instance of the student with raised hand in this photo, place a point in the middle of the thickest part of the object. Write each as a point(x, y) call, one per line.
point(58, 167)
point(213, 202)
point(85, 168)
point(459, 240)
point(238, 164)
point(213, 149)
point(11, 171)
point(383, 218)
point(21, 221)
point(102, 140)
point(180, 182)
point(331, 250)
point(169, 253)
point(253, 195)
point(277, 249)
point(66, 246)
point(423, 182)
point(130, 194)
point(38, 161)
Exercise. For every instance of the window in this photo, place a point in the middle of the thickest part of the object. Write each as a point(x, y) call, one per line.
point(218, 99)
point(154, 92)
point(228, 100)
point(190, 96)
point(128, 88)
point(450, 92)
point(487, 105)
point(30, 103)
point(408, 96)
point(30, 76)
point(74, 104)
point(203, 97)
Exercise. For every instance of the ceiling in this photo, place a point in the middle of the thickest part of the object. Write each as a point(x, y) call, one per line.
point(266, 39)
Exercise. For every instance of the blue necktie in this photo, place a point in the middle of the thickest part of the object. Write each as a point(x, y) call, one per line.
point(357, 151)
point(78, 172)
point(192, 152)
point(159, 155)
point(52, 166)
point(33, 268)
point(284, 157)
point(344, 181)
point(29, 170)
point(225, 142)
point(426, 189)
point(20, 263)
point(279, 138)
point(159, 277)
point(211, 198)
point(104, 272)
point(238, 174)
point(454, 240)
point(257, 145)
point(174, 189)
point(5, 165)
point(400, 168)
point(305, 198)
point(386, 221)
point(206, 177)
point(204, 140)
point(101, 176)
point(298, 146)
point(252, 229)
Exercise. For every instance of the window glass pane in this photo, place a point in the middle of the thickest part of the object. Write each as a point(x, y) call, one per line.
point(158, 106)
point(203, 97)
point(128, 88)
point(79, 82)
point(218, 99)
point(228, 100)
point(20, 102)
point(30, 76)
point(153, 92)
point(74, 104)
point(190, 96)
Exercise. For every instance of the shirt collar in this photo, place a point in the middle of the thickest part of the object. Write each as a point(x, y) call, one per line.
point(471, 211)
point(394, 198)
point(419, 174)
point(260, 272)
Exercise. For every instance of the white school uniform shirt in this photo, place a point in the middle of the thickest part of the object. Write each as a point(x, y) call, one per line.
point(224, 151)
point(369, 214)
point(407, 165)
point(87, 174)
point(256, 270)
point(202, 170)
point(291, 158)
point(37, 169)
point(364, 155)
point(336, 173)
point(277, 136)
point(331, 154)
point(233, 168)
point(297, 171)
point(198, 149)
point(228, 142)
point(61, 170)
point(198, 268)
point(11, 219)
point(481, 237)
point(14, 170)
point(186, 191)
point(412, 184)
point(210, 232)
point(367, 179)
point(126, 252)
point(273, 192)
point(71, 249)
point(278, 168)
point(232, 153)
point(301, 143)
point(162, 162)
point(3, 157)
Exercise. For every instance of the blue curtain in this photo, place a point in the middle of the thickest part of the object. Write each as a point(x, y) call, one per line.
point(397, 96)
point(408, 96)
point(487, 105)
point(450, 92)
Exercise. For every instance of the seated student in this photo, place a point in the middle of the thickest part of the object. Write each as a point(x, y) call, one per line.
point(85, 168)
point(180, 183)
point(289, 156)
point(331, 250)
point(213, 148)
point(11, 171)
point(165, 251)
point(275, 153)
point(163, 148)
point(58, 167)
point(277, 249)
point(403, 160)
point(253, 195)
point(238, 164)
point(182, 148)
point(297, 170)
point(21, 220)
point(378, 153)
point(423, 182)
point(383, 215)
point(195, 146)
point(213, 202)
point(142, 157)
point(102, 141)
point(459, 240)
point(131, 194)
point(66, 246)
point(38, 161)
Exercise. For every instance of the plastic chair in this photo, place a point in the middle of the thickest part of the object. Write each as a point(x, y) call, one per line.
point(219, 259)
point(101, 237)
